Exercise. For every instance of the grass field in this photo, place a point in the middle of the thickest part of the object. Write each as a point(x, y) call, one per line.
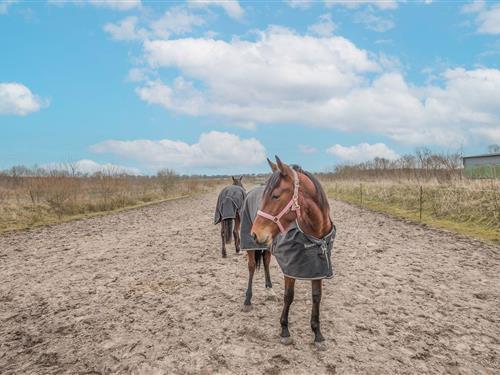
point(31, 201)
point(470, 207)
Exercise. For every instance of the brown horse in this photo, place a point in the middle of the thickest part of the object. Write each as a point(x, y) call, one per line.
point(227, 211)
point(295, 199)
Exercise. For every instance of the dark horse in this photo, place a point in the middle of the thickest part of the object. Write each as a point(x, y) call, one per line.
point(227, 211)
point(255, 252)
point(294, 202)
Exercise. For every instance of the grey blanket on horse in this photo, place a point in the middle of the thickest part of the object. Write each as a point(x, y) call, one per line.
point(304, 257)
point(248, 214)
point(229, 203)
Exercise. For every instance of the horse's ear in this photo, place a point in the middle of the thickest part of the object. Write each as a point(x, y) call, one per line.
point(273, 166)
point(282, 167)
point(241, 178)
point(234, 179)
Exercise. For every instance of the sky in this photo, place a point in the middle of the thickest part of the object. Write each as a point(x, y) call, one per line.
point(215, 87)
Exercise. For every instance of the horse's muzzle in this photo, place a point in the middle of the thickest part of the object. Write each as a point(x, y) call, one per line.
point(260, 241)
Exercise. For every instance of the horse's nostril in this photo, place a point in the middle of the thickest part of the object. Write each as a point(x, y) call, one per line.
point(254, 236)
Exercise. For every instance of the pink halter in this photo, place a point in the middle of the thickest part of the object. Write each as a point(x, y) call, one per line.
point(293, 205)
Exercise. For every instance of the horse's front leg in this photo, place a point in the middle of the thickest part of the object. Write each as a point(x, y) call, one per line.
point(236, 233)
point(247, 306)
point(316, 299)
point(288, 299)
point(223, 250)
point(267, 261)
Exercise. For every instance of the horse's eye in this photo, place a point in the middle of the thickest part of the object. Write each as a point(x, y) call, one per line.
point(275, 197)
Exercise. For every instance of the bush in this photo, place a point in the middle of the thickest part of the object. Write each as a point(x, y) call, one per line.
point(36, 196)
point(168, 180)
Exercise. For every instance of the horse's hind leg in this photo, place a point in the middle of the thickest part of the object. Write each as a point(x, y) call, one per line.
point(223, 237)
point(267, 260)
point(247, 306)
point(316, 299)
point(288, 299)
point(236, 233)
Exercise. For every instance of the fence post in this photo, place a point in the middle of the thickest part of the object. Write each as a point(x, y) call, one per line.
point(361, 192)
point(420, 202)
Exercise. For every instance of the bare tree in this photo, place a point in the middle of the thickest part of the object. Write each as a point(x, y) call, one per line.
point(424, 165)
point(167, 179)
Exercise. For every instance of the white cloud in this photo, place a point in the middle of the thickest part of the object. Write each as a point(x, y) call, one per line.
point(231, 7)
point(474, 6)
point(86, 166)
point(175, 21)
point(381, 4)
point(122, 5)
point(181, 96)
point(5, 4)
point(215, 149)
point(489, 20)
point(301, 4)
point(125, 29)
point(137, 75)
point(362, 152)
point(324, 27)
point(116, 4)
point(17, 99)
point(282, 77)
point(374, 22)
point(305, 149)
point(260, 70)
point(487, 16)
point(492, 134)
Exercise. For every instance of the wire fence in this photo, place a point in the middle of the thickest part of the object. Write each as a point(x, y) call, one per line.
point(476, 203)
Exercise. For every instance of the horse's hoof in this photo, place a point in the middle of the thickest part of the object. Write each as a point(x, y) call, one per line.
point(321, 346)
point(247, 308)
point(286, 340)
point(224, 255)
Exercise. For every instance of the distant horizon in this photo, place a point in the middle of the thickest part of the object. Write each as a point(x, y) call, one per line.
point(215, 87)
point(90, 168)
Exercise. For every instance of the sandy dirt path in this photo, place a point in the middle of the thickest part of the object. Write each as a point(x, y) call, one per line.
point(146, 292)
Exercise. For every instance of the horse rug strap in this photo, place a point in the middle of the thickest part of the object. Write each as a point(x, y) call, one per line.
point(302, 256)
point(248, 215)
point(229, 203)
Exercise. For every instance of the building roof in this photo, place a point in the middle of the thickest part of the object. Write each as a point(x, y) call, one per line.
point(481, 156)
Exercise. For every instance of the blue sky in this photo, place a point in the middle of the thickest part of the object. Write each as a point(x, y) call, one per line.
point(214, 87)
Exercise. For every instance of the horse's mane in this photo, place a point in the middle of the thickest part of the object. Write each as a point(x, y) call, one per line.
point(275, 179)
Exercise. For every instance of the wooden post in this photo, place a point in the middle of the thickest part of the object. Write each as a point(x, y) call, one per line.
point(420, 200)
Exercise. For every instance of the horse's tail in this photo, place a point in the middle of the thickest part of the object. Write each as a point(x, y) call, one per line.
point(227, 229)
point(259, 254)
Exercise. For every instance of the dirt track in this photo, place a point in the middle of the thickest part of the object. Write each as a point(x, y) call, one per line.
point(146, 292)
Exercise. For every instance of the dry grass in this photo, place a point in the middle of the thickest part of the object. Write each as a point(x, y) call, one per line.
point(37, 200)
point(467, 206)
